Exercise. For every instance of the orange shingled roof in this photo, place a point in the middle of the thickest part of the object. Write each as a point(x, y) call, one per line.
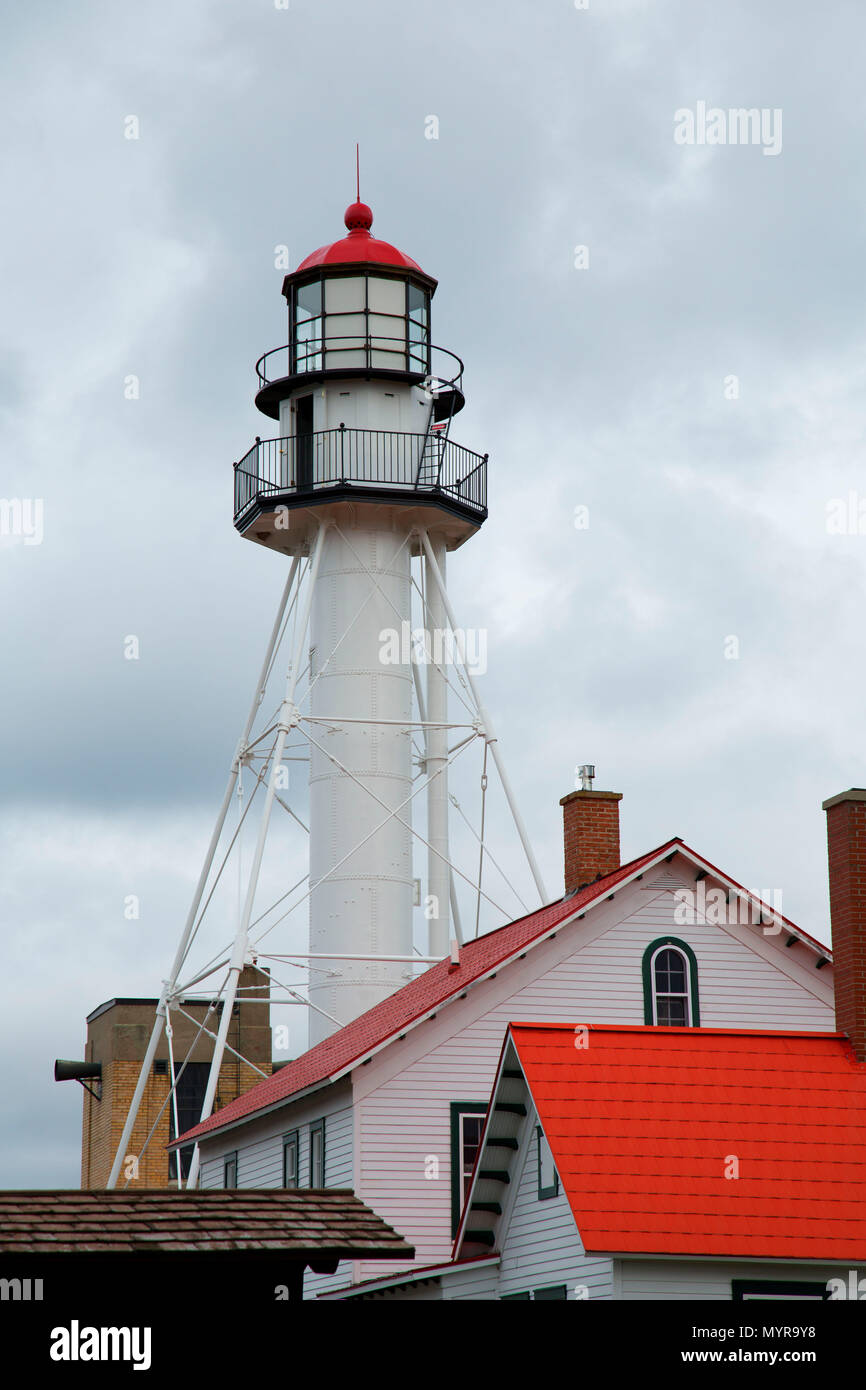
point(643, 1124)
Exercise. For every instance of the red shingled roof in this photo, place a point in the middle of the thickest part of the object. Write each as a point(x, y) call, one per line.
point(642, 1122)
point(437, 985)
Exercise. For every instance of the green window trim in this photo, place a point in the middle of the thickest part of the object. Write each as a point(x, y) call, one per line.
point(648, 984)
point(458, 1108)
point(317, 1127)
point(545, 1192)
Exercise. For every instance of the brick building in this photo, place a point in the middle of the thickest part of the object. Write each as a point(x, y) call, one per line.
point(117, 1037)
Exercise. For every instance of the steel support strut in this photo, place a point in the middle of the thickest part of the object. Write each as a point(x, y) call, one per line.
point(168, 985)
point(288, 720)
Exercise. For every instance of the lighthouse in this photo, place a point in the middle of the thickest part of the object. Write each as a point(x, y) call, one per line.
point(361, 492)
point(362, 477)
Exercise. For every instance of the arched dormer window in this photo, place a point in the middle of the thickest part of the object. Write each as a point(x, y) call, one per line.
point(670, 984)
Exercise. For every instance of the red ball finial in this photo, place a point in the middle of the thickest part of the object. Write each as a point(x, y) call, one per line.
point(358, 218)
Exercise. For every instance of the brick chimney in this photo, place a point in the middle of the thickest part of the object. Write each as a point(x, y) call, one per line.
point(846, 852)
point(591, 833)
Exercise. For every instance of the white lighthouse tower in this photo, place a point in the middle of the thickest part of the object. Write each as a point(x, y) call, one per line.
point(362, 492)
point(362, 477)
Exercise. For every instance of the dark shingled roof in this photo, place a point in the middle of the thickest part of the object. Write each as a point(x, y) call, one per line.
point(332, 1222)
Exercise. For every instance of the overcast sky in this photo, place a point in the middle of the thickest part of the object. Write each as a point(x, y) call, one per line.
point(698, 386)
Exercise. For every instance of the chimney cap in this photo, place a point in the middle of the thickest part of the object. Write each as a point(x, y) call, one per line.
point(590, 796)
point(853, 794)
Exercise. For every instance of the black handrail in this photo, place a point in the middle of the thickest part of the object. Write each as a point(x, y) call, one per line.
point(298, 465)
point(358, 342)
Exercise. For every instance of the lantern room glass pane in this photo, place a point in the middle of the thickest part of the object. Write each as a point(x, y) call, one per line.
point(345, 322)
point(418, 327)
point(386, 296)
point(308, 327)
point(386, 301)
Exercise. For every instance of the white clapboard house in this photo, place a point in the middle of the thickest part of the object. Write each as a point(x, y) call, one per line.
point(649, 1162)
point(393, 1104)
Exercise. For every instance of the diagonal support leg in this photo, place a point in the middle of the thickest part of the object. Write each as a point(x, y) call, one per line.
point(169, 984)
point(288, 720)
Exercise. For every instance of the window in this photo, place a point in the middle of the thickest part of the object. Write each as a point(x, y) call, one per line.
point(317, 1154)
point(343, 322)
point(670, 983)
point(509, 1297)
point(467, 1124)
point(230, 1170)
point(307, 332)
point(776, 1291)
point(548, 1182)
point(417, 321)
point(191, 1084)
point(290, 1159)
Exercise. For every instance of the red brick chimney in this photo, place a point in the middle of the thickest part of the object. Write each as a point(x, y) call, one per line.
point(846, 852)
point(591, 832)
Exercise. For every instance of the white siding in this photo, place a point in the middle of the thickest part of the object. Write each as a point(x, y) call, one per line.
point(705, 1279)
point(542, 1245)
point(259, 1144)
point(591, 972)
point(471, 1283)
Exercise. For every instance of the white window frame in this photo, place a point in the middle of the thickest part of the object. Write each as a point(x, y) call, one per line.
point(666, 994)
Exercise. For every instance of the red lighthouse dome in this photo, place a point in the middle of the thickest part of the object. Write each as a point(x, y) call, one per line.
point(358, 247)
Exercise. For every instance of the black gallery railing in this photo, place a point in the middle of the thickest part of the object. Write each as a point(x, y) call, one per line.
point(305, 464)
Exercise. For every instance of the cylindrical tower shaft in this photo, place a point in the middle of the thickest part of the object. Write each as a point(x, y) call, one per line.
point(361, 883)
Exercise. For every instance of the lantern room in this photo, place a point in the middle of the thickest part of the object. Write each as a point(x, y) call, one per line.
point(363, 398)
point(357, 306)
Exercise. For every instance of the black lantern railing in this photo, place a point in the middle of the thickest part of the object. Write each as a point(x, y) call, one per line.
point(331, 352)
point(346, 461)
